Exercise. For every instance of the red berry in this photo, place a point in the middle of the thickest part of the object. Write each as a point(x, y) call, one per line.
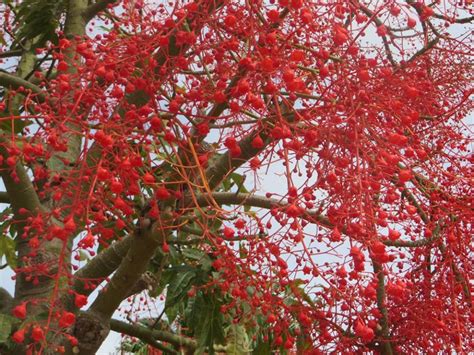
point(80, 300)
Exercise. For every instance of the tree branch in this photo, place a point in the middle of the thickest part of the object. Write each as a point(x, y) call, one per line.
point(91, 11)
point(102, 265)
point(225, 164)
point(12, 53)
point(417, 243)
point(378, 22)
point(232, 198)
point(386, 346)
point(150, 336)
point(15, 82)
point(20, 187)
point(4, 198)
point(6, 301)
point(454, 20)
point(134, 264)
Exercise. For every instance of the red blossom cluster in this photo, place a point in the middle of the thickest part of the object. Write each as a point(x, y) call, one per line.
point(146, 132)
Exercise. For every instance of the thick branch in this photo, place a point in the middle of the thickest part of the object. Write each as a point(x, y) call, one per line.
point(225, 164)
point(150, 335)
point(95, 8)
point(455, 20)
point(423, 50)
point(134, 264)
point(231, 198)
point(4, 198)
point(19, 186)
point(14, 82)
point(12, 53)
point(386, 346)
point(378, 22)
point(417, 243)
point(6, 301)
point(102, 265)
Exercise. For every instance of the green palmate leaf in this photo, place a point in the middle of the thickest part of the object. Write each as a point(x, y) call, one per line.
point(297, 289)
point(16, 127)
point(6, 324)
point(178, 287)
point(212, 224)
point(205, 320)
point(164, 281)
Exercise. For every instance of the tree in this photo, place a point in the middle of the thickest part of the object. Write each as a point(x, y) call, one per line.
point(138, 142)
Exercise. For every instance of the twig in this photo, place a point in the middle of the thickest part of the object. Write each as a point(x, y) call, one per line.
point(91, 11)
point(147, 335)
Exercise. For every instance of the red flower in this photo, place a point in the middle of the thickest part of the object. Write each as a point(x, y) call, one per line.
point(37, 334)
point(87, 241)
point(20, 311)
point(258, 143)
point(228, 232)
point(162, 193)
point(19, 336)
point(80, 300)
point(366, 333)
point(67, 319)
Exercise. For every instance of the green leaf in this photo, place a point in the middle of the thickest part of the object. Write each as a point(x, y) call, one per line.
point(38, 20)
point(164, 280)
point(17, 125)
point(178, 287)
point(205, 320)
point(200, 256)
point(143, 350)
point(243, 252)
point(239, 181)
point(299, 292)
point(172, 312)
point(237, 340)
point(234, 179)
point(6, 323)
point(262, 347)
point(7, 249)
